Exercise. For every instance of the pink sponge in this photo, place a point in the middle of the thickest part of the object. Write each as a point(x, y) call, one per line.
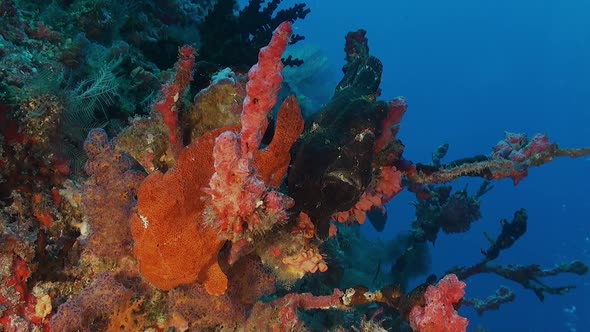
point(439, 315)
point(264, 84)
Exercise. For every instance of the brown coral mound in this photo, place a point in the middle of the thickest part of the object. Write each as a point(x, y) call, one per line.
point(99, 300)
point(202, 311)
point(108, 197)
point(249, 281)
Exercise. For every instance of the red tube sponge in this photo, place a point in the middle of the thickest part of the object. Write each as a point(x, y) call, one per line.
point(242, 200)
point(264, 83)
point(171, 92)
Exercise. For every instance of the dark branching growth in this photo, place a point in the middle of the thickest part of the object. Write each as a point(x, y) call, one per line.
point(292, 62)
point(439, 154)
point(453, 213)
point(234, 40)
point(528, 276)
point(492, 302)
point(511, 231)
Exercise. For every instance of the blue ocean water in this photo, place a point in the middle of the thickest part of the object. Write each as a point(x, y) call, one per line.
point(471, 70)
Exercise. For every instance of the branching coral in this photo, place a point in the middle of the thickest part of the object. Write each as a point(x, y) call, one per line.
point(440, 209)
point(492, 302)
point(235, 40)
point(511, 158)
point(528, 276)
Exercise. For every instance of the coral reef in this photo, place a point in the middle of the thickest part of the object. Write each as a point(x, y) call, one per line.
point(217, 205)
